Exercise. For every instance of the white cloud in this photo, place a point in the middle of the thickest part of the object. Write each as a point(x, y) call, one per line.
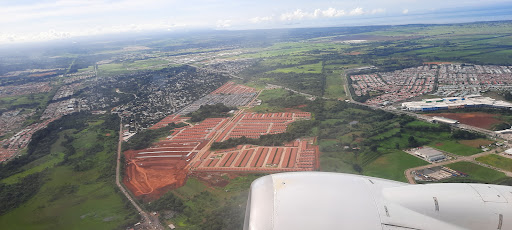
point(331, 12)
point(298, 14)
point(406, 11)
point(261, 19)
point(328, 13)
point(356, 11)
point(377, 11)
point(223, 23)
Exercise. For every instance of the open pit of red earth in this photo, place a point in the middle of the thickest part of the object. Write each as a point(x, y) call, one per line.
point(477, 119)
point(150, 178)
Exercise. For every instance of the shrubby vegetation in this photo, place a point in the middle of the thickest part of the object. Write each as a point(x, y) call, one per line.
point(209, 111)
point(168, 201)
point(465, 135)
point(144, 139)
point(42, 140)
point(13, 195)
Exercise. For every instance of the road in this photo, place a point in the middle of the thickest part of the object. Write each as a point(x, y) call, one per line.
point(148, 221)
point(410, 177)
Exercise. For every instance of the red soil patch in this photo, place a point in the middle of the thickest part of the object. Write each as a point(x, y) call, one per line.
point(107, 134)
point(149, 178)
point(354, 53)
point(478, 119)
point(439, 144)
point(41, 74)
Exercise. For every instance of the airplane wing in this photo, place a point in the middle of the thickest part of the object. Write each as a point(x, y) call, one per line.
point(321, 200)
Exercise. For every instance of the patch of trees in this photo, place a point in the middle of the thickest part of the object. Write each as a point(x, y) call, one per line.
point(13, 195)
point(288, 101)
point(111, 122)
point(42, 140)
point(169, 201)
point(412, 142)
point(465, 135)
point(144, 139)
point(295, 130)
point(209, 111)
point(501, 126)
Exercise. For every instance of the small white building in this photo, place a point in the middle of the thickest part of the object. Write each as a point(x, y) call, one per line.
point(430, 154)
point(508, 151)
point(445, 120)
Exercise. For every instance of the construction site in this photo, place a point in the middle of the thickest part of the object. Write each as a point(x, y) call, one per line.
point(166, 164)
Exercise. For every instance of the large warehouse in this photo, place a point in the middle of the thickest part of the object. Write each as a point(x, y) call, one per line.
point(470, 101)
point(430, 154)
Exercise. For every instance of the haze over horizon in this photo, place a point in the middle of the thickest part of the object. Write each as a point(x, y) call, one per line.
point(30, 20)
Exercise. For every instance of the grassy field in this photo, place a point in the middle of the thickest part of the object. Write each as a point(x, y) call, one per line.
point(31, 100)
point(392, 166)
point(476, 143)
point(77, 194)
point(455, 147)
point(497, 161)
point(41, 164)
point(334, 85)
point(311, 68)
point(269, 95)
point(478, 173)
point(203, 201)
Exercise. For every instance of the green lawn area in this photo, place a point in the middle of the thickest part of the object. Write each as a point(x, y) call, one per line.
point(28, 101)
point(334, 87)
point(93, 206)
point(477, 173)
point(268, 95)
point(392, 165)
point(311, 68)
point(456, 148)
point(497, 161)
point(47, 162)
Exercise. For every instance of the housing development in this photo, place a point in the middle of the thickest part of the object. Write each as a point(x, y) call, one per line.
point(186, 150)
point(445, 80)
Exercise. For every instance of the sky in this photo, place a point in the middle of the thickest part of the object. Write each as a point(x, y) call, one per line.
point(41, 20)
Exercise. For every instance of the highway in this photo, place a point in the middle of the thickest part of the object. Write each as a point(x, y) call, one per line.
point(148, 221)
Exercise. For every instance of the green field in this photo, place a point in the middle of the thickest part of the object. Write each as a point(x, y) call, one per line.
point(334, 85)
point(267, 95)
point(224, 206)
point(454, 147)
point(477, 173)
point(311, 68)
point(497, 161)
point(77, 193)
point(393, 165)
point(25, 101)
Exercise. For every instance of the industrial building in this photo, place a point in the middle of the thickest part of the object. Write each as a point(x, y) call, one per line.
point(430, 154)
point(470, 101)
